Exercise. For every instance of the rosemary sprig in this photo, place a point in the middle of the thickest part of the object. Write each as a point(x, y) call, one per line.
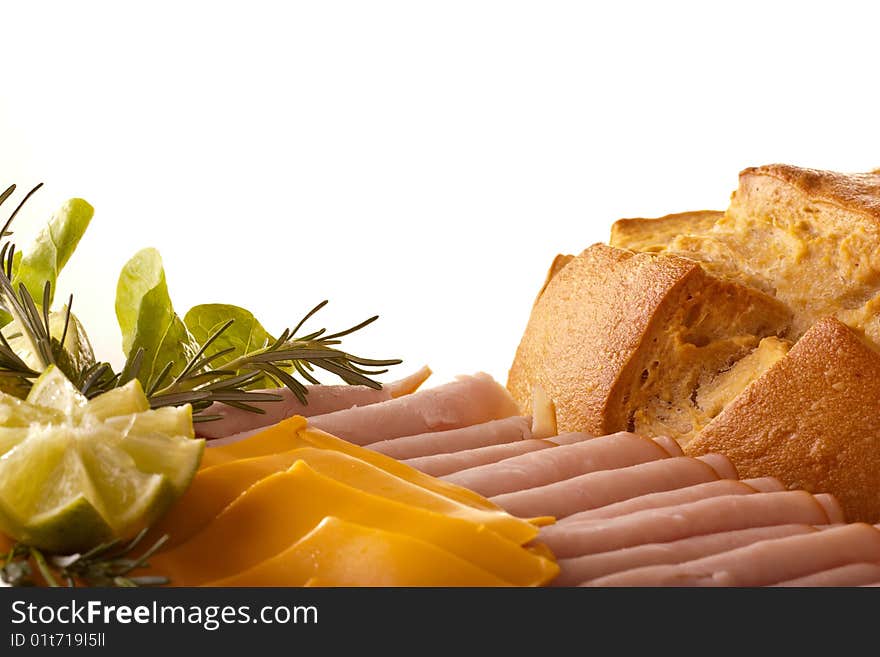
point(109, 564)
point(289, 355)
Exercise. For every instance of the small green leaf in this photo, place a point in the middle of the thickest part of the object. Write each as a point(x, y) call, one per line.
point(245, 335)
point(147, 319)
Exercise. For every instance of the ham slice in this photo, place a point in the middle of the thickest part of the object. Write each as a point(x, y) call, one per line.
point(709, 516)
point(678, 496)
point(597, 489)
point(467, 400)
point(578, 570)
point(549, 465)
point(439, 465)
point(854, 574)
point(832, 507)
point(670, 445)
point(320, 400)
point(494, 432)
point(763, 563)
point(569, 438)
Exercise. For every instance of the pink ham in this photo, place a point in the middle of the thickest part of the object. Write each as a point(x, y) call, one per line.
point(569, 438)
point(854, 574)
point(494, 432)
point(467, 400)
point(763, 563)
point(679, 496)
point(578, 570)
point(832, 508)
point(549, 465)
point(709, 516)
point(597, 489)
point(670, 445)
point(721, 464)
point(320, 400)
point(439, 465)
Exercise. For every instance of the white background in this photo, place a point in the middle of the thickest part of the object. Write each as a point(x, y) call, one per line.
point(421, 160)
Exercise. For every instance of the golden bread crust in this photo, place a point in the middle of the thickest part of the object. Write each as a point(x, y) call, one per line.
point(586, 326)
point(609, 317)
point(653, 235)
point(857, 192)
point(555, 267)
point(812, 421)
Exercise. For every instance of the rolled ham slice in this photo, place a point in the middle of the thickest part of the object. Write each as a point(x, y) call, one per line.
point(547, 466)
point(709, 516)
point(679, 496)
point(597, 489)
point(670, 445)
point(763, 563)
point(466, 401)
point(439, 465)
point(320, 400)
point(854, 574)
point(569, 438)
point(578, 570)
point(494, 432)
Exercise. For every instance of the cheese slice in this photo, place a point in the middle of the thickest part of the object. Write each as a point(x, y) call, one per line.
point(340, 553)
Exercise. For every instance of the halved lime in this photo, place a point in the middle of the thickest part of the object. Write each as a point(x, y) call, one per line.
point(75, 473)
point(126, 399)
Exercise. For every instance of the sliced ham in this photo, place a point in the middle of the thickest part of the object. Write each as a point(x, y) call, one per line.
point(597, 489)
point(467, 400)
point(763, 563)
point(854, 574)
point(709, 516)
point(320, 400)
point(670, 445)
point(569, 438)
point(407, 385)
point(722, 465)
point(563, 462)
point(439, 465)
point(577, 570)
point(494, 432)
point(679, 496)
point(832, 507)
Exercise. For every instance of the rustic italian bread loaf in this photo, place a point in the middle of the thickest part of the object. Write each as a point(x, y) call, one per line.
point(624, 341)
point(812, 420)
point(810, 240)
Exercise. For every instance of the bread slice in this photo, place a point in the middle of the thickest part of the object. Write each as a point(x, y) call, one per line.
point(810, 238)
point(811, 420)
point(624, 341)
point(555, 267)
point(654, 235)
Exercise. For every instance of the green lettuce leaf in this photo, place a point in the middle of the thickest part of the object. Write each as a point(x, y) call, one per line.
point(147, 319)
point(52, 248)
point(245, 335)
